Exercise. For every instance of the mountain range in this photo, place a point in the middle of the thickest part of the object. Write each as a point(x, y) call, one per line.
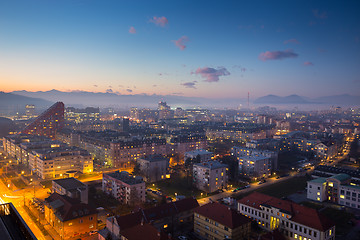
point(18, 99)
point(344, 99)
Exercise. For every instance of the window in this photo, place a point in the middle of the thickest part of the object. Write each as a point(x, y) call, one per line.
point(226, 228)
point(91, 218)
point(295, 236)
point(80, 221)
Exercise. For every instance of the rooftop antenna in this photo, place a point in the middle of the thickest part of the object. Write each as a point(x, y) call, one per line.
point(248, 100)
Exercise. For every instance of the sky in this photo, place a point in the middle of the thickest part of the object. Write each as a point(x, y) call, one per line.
point(213, 49)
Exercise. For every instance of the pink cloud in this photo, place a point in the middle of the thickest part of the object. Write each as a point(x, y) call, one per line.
point(293, 40)
point(160, 21)
point(307, 63)
point(277, 55)
point(132, 30)
point(189, 84)
point(211, 74)
point(180, 43)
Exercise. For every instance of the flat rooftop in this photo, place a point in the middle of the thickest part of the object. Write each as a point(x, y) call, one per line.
point(69, 183)
point(211, 165)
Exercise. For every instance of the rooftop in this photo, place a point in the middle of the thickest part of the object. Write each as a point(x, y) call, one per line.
point(223, 215)
point(300, 214)
point(66, 208)
point(155, 158)
point(318, 180)
point(125, 177)
point(69, 183)
point(211, 165)
point(198, 152)
point(156, 213)
point(341, 177)
point(139, 231)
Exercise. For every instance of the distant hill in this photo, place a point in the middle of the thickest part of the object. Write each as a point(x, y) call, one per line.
point(273, 99)
point(344, 100)
point(99, 99)
point(10, 103)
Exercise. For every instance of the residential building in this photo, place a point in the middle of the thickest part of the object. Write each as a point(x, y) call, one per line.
point(272, 156)
point(48, 123)
point(71, 187)
point(337, 189)
point(181, 144)
point(316, 189)
point(202, 154)
point(293, 220)
point(124, 187)
point(217, 221)
point(139, 231)
point(256, 166)
point(60, 161)
point(68, 216)
point(210, 176)
point(154, 167)
point(174, 215)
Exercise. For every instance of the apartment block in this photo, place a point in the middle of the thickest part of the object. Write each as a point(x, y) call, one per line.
point(217, 221)
point(124, 187)
point(210, 176)
point(154, 167)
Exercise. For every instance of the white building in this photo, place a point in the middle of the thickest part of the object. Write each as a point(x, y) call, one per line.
point(255, 165)
point(202, 153)
point(210, 176)
point(316, 189)
point(293, 220)
point(245, 151)
point(337, 189)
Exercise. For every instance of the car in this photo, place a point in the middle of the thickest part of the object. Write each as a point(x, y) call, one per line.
point(247, 186)
point(92, 232)
point(235, 190)
point(182, 237)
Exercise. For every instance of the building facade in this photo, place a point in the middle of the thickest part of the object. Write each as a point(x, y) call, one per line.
point(125, 188)
point(48, 123)
point(210, 176)
point(292, 220)
point(154, 167)
point(68, 216)
point(217, 221)
point(203, 155)
point(71, 187)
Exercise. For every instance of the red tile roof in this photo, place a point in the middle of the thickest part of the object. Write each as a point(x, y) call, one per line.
point(67, 208)
point(222, 214)
point(144, 231)
point(300, 214)
point(156, 213)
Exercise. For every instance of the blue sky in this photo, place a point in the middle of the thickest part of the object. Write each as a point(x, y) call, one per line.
point(224, 48)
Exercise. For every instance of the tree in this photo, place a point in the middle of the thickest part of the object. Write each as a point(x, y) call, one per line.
point(137, 170)
point(109, 237)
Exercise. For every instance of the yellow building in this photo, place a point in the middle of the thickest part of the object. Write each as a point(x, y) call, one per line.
point(217, 221)
point(69, 217)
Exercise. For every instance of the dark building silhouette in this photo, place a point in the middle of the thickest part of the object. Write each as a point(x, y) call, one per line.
point(47, 123)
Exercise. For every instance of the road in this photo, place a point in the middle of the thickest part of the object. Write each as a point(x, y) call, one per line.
point(252, 187)
point(18, 202)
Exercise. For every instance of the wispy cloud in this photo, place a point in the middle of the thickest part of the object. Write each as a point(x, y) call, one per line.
point(307, 63)
point(189, 84)
point(211, 74)
point(180, 43)
point(293, 40)
point(129, 90)
point(277, 55)
point(132, 30)
point(320, 15)
point(242, 69)
point(95, 85)
point(160, 21)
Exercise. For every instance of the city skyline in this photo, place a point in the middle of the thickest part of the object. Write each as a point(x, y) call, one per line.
point(212, 50)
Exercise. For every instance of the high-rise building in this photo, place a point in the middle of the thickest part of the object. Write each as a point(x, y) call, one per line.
point(47, 123)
